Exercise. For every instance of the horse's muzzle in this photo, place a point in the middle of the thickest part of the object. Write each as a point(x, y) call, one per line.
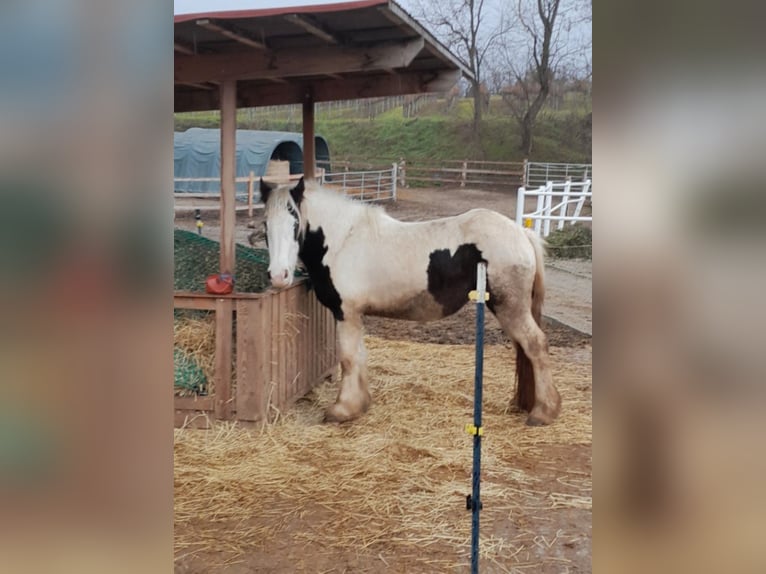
point(281, 279)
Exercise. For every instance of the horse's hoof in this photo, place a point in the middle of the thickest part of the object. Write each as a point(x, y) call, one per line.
point(541, 416)
point(535, 421)
point(338, 413)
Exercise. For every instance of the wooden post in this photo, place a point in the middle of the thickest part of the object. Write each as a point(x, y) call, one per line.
point(228, 173)
point(308, 137)
point(224, 310)
point(464, 173)
point(250, 184)
point(223, 354)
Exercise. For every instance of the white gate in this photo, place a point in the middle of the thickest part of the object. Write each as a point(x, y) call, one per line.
point(539, 173)
point(569, 192)
point(377, 185)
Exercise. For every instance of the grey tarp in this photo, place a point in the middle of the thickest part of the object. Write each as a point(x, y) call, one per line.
point(197, 154)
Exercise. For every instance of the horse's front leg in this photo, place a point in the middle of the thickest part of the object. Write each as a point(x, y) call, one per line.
point(353, 396)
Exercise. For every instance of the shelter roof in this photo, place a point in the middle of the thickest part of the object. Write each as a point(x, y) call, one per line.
point(367, 48)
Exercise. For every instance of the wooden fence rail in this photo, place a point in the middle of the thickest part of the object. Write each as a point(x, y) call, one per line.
point(448, 172)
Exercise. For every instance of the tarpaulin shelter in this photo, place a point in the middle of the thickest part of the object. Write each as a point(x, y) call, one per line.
point(197, 155)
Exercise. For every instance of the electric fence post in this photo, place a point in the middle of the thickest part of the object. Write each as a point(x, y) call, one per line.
point(473, 500)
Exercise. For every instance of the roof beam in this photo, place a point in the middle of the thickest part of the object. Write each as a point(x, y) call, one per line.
point(323, 90)
point(312, 26)
point(182, 49)
point(404, 21)
point(232, 32)
point(321, 61)
point(201, 86)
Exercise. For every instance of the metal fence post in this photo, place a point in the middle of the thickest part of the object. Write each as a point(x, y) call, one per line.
point(394, 175)
point(473, 500)
point(526, 172)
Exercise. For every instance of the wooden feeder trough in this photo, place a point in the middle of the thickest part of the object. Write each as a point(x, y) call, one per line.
point(284, 346)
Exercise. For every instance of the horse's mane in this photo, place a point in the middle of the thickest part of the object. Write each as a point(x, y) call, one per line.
point(366, 213)
point(281, 200)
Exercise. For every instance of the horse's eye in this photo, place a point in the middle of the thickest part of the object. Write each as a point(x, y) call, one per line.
point(296, 231)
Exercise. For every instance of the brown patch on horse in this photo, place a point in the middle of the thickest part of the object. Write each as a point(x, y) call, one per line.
point(525, 374)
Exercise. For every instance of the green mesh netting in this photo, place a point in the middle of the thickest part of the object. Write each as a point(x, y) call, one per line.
point(196, 257)
point(188, 374)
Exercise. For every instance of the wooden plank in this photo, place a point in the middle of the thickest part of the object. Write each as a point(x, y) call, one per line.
point(305, 342)
point(290, 63)
point(263, 365)
point(205, 208)
point(233, 32)
point(323, 90)
point(280, 348)
point(309, 153)
point(310, 338)
point(191, 419)
point(272, 331)
point(247, 395)
point(260, 358)
point(193, 403)
point(311, 349)
point(182, 295)
point(228, 174)
point(292, 335)
point(223, 357)
point(314, 27)
point(199, 303)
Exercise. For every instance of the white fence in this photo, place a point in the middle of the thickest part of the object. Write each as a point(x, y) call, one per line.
point(540, 173)
point(569, 192)
point(377, 185)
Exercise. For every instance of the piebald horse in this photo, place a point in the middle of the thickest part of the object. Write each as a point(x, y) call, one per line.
point(361, 261)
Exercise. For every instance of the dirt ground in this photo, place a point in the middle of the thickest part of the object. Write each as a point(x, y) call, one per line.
point(553, 541)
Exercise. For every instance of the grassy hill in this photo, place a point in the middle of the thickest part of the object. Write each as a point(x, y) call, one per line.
point(434, 133)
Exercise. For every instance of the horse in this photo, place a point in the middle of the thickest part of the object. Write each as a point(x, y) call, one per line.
point(361, 261)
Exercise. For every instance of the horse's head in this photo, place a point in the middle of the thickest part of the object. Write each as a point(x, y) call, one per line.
point(284, 229)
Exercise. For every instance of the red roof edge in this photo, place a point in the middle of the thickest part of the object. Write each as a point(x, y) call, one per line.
point(262, 12)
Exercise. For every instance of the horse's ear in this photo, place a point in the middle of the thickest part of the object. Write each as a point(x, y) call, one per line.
point(265, 191)
point(297, 192)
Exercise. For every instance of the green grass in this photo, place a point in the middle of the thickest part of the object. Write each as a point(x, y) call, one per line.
point(434, 134)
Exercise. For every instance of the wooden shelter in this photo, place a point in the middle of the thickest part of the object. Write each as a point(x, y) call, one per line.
point(301, 54)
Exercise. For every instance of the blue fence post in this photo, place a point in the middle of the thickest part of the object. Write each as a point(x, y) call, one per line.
point(473, 500)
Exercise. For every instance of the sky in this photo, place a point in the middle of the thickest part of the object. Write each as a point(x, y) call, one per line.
point(195, 6)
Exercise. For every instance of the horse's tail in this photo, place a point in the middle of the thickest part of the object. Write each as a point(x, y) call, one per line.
point(525, 374)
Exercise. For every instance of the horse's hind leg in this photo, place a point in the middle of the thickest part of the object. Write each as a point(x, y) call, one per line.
point(353, 397)
point(535, 391)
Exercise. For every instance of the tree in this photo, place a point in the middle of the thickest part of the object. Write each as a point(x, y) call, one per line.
point(543, 44)
point(470, 28)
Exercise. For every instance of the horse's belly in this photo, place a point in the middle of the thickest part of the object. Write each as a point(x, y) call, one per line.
point(422, 307)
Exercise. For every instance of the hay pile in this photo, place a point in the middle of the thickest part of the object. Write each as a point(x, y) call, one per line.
point(571, 242)
point(393, 483)
point(194, 352)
